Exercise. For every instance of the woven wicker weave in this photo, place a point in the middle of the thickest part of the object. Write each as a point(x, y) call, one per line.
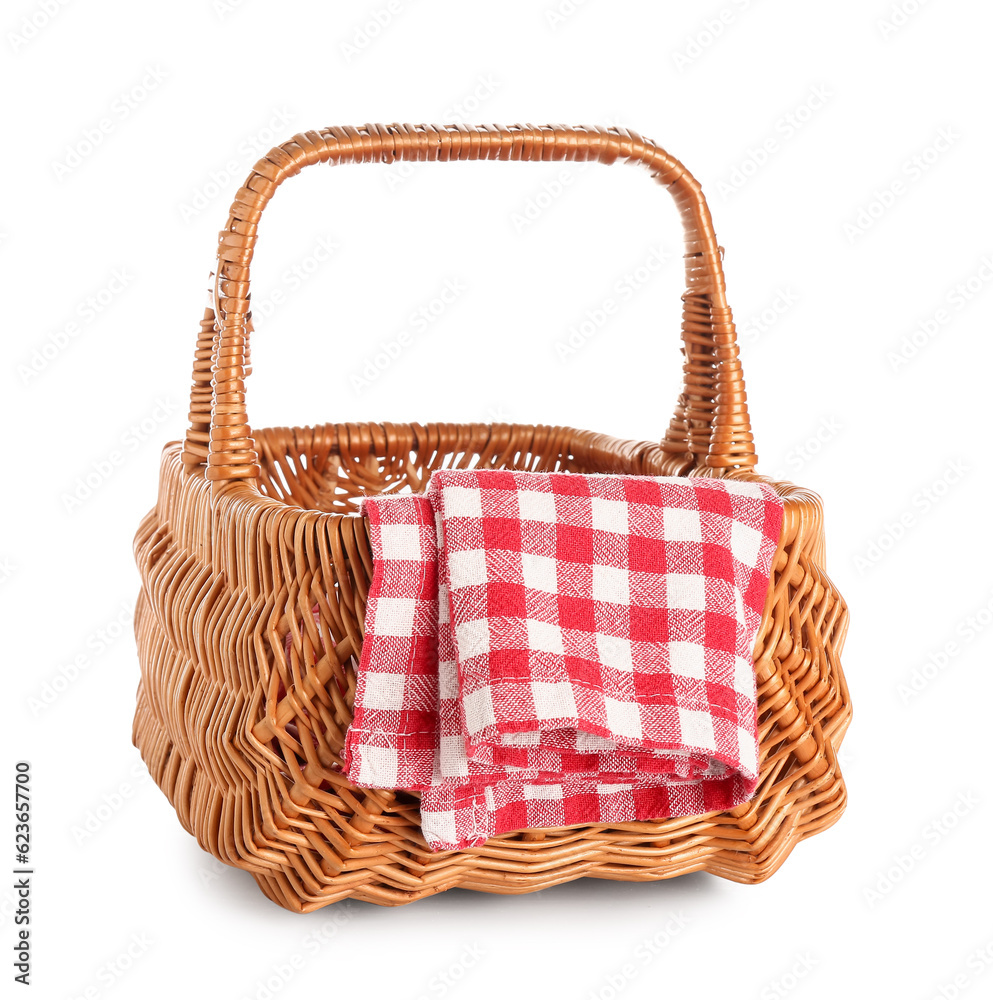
point(252, 532)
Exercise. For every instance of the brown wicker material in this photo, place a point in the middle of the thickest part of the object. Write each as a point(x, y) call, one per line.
point(253, 531)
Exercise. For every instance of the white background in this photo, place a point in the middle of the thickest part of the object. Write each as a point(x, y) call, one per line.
point(844, 242)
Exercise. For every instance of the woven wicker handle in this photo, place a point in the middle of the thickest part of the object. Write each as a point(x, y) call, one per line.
point(710, 428)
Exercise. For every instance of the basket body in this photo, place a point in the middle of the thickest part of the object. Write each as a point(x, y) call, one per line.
point(242, 727)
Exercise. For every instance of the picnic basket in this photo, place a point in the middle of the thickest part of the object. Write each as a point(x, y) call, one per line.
point(255, 568)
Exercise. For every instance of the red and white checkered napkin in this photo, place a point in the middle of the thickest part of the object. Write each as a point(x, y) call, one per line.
point(578, 649)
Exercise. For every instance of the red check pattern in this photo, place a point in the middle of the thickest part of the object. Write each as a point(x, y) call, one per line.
point(393, 738)
point(583, 655)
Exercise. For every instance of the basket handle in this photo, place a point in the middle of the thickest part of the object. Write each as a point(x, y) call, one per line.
point(710, 429)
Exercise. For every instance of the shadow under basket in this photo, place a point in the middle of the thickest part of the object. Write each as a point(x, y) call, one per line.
point(255, 567)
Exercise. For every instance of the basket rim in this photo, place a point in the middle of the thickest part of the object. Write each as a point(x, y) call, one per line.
point(797, 499)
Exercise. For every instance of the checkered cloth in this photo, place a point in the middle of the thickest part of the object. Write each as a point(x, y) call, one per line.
point(548, 649)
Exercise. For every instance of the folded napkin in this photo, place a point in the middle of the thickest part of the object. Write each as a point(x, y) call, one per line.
point(549, 649)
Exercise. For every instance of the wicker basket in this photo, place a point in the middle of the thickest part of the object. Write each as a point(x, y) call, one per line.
point(255, 569)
